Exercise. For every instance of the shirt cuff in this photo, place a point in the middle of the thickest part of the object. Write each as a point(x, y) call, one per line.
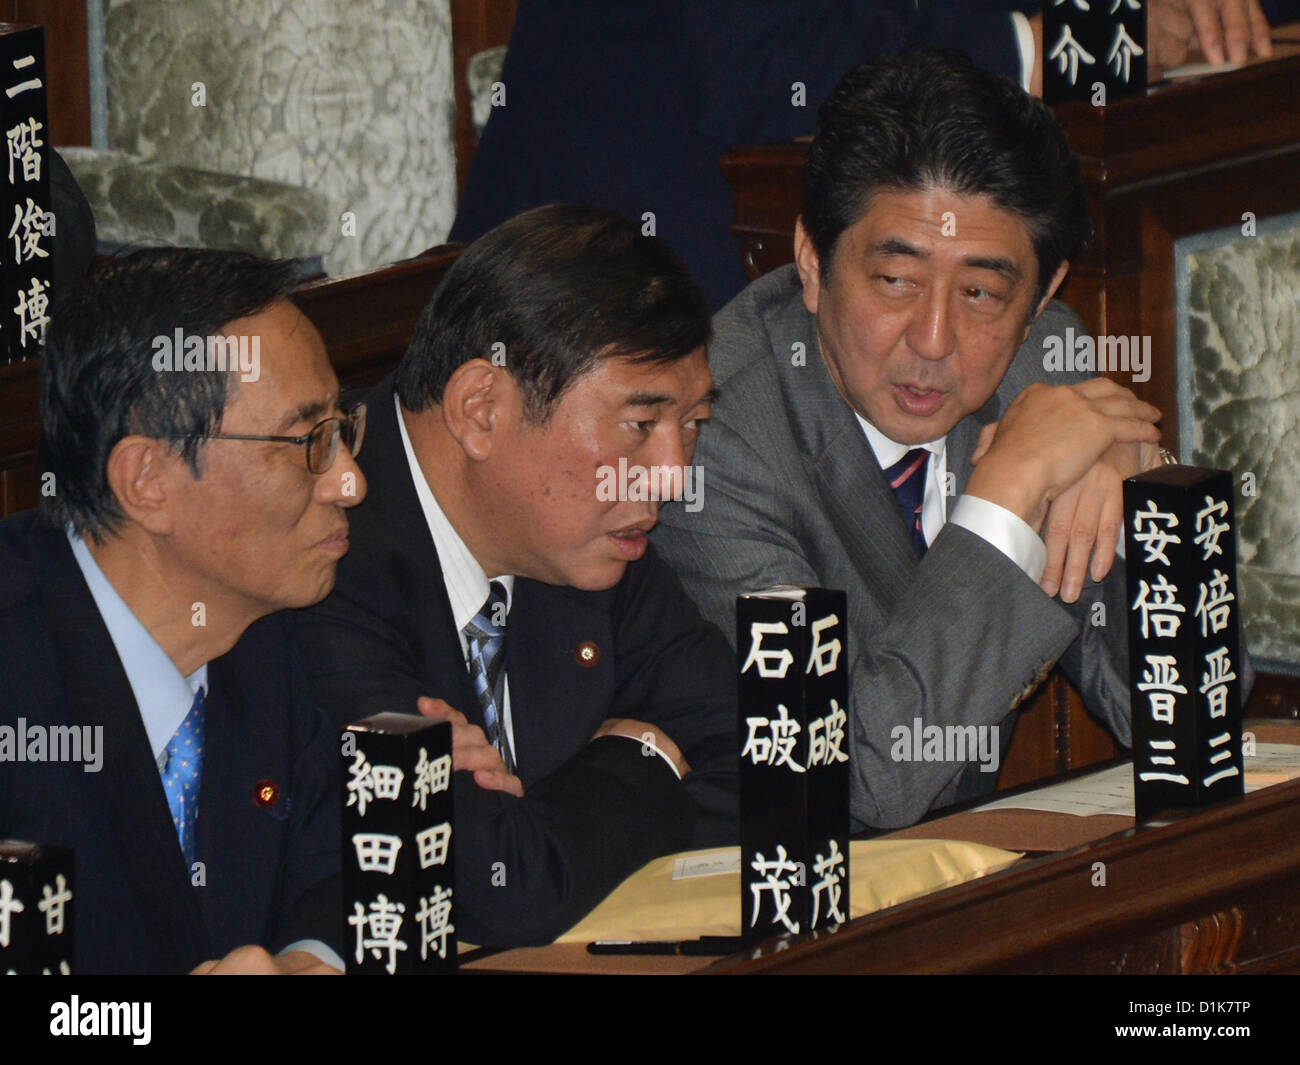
point(653, 747)
point(1004, 530)
point(1025, 44)
point(315, 946)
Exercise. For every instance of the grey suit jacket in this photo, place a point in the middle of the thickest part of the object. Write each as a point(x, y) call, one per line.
point(792, 494)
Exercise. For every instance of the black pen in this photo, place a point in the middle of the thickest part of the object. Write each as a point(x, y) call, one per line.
point(631, 946)
point(702, 947)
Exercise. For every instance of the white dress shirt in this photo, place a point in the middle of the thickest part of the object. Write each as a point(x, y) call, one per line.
point(1000, 527)
point(1025, 44)
point(467, 584)
point(162, 694)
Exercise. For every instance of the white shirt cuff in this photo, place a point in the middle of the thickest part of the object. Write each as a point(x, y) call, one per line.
point(651, 744)
point(315, 946)
point(1025, 42)
point(1006, 531)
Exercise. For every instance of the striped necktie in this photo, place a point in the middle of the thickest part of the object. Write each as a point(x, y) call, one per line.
point(181, 773)
point(907, 479)
point(486, 636)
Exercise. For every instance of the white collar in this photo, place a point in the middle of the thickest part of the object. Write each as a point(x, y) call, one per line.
point(467, 584)
point(888, 451)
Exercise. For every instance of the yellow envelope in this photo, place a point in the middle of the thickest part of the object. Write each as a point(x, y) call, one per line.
point(651, 904)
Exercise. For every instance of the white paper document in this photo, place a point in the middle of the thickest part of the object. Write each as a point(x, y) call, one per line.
point(1110, 791)
point(712, 864)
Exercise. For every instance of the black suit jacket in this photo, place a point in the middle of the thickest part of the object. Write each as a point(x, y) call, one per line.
point(271, 872)
point(592, 813)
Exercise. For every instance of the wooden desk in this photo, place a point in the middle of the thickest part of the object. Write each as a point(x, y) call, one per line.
point(1218, 891)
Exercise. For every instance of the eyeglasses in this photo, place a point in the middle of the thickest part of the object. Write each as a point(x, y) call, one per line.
point(322, 443)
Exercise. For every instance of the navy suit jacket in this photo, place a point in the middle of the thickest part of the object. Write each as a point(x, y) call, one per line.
point(631, 106)
point(271, 872)
point(592, 813)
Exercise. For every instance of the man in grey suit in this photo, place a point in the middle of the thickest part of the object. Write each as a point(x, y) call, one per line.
point(886, 426)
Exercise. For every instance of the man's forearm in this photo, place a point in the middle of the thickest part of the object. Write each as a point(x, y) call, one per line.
point(527, 869)
point(999, 632)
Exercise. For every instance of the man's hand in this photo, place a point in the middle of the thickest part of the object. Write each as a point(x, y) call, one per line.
point(1050, 437)
point(1085, 521)
point(1223, 29)
point(470, 750)
point(1231, 29)
point(254, 961)
point(649, 736)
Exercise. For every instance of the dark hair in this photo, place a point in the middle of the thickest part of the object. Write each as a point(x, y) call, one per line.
point(933, 119)
point(98, 382)
point(553, 290)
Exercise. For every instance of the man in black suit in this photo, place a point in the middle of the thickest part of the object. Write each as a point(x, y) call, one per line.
point(197, 475)
point(549, 400)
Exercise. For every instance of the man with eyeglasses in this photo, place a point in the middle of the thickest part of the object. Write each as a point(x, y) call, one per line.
point(144, 606)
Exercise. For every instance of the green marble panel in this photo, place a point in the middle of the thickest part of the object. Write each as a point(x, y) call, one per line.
point(1239, 369)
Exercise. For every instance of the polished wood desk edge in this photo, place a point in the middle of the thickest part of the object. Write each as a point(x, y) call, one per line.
point(1050, 902)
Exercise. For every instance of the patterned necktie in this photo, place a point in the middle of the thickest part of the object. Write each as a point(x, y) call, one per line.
point(180, 775)
point(907, 478)
point(486, 636)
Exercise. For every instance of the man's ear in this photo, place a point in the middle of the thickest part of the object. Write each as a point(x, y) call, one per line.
point(808, 263)
point(137, 470)
point(1052, 286)
point(478, 399)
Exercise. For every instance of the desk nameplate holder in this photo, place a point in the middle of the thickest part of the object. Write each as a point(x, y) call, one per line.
point(1095, 52)
point(36, 908)
point(794, 764)
point(1184, 654)
point(28, 223)
point(397, 848)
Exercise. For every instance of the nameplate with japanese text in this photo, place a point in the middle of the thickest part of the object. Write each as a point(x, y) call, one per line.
point(1184, 654)
point(397, 846)
point(794, 760)
point(1094, 50)
point(29, 224)
point(36, 906)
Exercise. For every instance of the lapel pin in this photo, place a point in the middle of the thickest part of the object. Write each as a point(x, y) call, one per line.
point(266, 793)
point(587, 654)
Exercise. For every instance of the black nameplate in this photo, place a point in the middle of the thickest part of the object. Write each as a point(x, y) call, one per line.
point(397, 847)
point(36, 908)
point(1184, 658)
point(29, 225)
point(1093, 50)
point(794, 760)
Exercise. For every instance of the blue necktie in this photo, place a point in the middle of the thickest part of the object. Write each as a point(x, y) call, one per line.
point(486, 636)
point(180, 775)
point(907, 479)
